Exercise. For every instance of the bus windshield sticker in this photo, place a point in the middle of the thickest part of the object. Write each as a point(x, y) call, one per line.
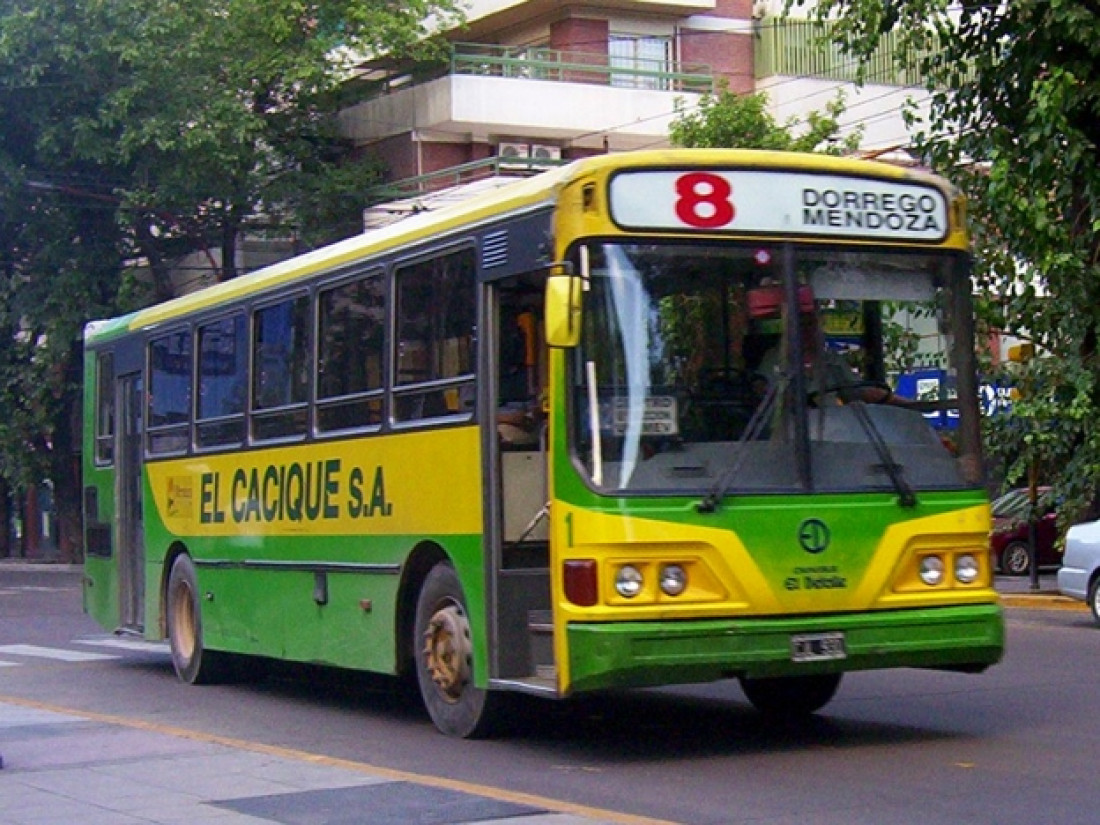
point(659, 416)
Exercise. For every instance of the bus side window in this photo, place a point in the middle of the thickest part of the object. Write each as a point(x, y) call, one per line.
point(436, 315)
point(169, 396)
point(351, 335)
point(281, 362)
point(223, 377)
point(105, 409)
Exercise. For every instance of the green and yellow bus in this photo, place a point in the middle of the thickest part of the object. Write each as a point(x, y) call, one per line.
point(571, 434)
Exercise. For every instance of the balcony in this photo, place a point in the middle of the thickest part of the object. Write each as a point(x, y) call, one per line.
point(485, 17)
point(802, 72)
point(579, 67)
point(800, 48)
point(489, 92)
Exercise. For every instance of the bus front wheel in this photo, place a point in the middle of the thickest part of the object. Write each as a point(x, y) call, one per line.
point(791, 696)
point(192, 662)
point(444, 654)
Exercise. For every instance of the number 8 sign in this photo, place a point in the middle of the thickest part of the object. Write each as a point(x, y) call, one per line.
point(703, 200)
point(777, 202)
point(695, 199)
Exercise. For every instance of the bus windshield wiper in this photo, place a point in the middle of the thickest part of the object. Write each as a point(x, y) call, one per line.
point(906, 496)
point(757, 422)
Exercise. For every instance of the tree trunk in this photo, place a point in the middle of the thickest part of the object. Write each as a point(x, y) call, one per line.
point(70, 527)
point(6, 543)
point(66, 465)
point(163, 288)
point(229, 247)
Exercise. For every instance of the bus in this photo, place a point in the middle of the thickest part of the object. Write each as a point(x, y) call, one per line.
point(563, 436)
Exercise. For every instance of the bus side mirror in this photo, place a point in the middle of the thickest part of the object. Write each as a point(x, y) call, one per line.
point(563, 310)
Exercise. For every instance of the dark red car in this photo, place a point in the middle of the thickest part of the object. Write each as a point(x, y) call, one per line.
point(1008, 541)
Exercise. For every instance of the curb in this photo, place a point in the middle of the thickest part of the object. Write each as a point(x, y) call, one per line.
point(38, 566)
point(1042, 601)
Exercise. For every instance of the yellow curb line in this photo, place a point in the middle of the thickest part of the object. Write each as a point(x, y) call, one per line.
point(519, 798)
point(1042, 601)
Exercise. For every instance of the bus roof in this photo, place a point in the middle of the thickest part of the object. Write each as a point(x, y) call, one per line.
point(523, 194)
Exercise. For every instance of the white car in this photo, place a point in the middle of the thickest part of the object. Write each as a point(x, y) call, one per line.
point(1079, 575)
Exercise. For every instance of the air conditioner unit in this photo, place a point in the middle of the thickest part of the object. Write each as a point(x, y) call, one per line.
point(508, 152)
point(541, 152)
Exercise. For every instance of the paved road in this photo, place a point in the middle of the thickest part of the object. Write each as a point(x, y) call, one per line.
point(88, 753)
point(66, 765)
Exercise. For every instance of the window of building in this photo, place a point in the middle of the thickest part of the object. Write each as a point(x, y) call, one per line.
point(169, 400)
point(281, 369)
point(223, 382)
point(105, 409)
point(436, 337)
point(350, 338)
point(642, 59)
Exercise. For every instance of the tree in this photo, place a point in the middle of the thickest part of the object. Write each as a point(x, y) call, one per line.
point(138, 131)
point(730, 120)
point(1014, 121)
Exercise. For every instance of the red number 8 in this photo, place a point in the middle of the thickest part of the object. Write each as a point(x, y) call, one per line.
point(699, 188)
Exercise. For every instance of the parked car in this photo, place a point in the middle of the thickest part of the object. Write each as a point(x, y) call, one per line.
point(1008, 541)
point(1079, 575)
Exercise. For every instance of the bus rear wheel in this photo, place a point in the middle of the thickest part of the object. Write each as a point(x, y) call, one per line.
point(791, 696)
point(192, 662)
point(443, 650)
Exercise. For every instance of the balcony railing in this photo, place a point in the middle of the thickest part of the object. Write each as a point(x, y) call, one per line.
point(458, 175)
point(801, 48)
point(531, 63)
point(535, 63)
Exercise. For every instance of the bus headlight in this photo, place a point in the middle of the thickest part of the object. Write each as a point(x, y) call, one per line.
point(966, 569)
point(931, 570)
point(628, 581)
point(673, 580)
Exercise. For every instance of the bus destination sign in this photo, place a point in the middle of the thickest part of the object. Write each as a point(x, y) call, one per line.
point(779, 203)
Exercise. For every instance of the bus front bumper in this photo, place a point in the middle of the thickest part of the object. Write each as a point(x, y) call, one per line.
point(641, 654)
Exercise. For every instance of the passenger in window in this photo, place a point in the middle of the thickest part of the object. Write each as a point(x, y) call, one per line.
point(518, 412)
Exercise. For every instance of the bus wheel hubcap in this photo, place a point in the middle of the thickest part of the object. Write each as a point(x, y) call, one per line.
point(183, 624)
point(447, 651)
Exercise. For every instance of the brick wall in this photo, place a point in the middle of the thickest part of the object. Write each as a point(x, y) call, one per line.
point(729, 55)
point(579, 34)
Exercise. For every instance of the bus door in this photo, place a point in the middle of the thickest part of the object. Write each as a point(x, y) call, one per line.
point(517, 449)
point(131, 544)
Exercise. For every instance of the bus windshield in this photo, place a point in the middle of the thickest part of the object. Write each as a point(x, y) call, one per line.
point(760, 368)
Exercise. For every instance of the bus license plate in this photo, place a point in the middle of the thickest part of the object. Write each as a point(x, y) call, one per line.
point(818, 647)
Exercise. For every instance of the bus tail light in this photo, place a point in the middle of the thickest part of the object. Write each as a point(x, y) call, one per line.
point(582, 583)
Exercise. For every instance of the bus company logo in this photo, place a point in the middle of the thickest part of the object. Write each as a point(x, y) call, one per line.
point(813, 535)
point(180, 496)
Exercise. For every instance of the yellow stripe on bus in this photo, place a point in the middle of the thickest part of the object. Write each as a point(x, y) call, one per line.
point(425, 482)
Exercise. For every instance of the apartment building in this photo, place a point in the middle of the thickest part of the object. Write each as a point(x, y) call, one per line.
point(553, 80)
point(545, 80)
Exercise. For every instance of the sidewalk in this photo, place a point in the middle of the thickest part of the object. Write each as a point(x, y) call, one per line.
point(61, 769)
point(1016, 592)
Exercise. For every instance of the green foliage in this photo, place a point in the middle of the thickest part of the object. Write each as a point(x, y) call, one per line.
point(138, 131)
point(729, 120)
point(1015, 121)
